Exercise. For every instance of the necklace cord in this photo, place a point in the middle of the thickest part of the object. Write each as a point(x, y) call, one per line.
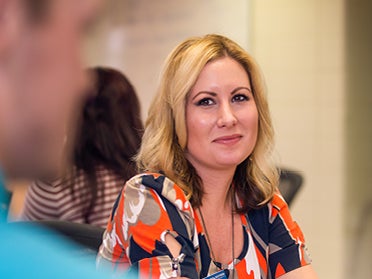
point(232, 237)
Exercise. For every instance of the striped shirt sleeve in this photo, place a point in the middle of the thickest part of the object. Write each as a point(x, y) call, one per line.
point(42, 202)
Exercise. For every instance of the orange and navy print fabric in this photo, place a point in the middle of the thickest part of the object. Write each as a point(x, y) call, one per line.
point(151, 205)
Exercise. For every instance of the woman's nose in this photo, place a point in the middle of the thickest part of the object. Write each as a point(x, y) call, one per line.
point(226, 116)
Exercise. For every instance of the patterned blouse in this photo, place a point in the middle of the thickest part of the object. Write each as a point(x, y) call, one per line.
point(151, 205)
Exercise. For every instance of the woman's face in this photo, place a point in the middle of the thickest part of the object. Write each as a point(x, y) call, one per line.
point(221, 117)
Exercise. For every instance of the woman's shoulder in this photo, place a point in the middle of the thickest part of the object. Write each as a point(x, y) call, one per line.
point(274, 220)
point(273, 207)
point(161, 185)
point(264, 217)
point(157, 201)
point(275, 230)
point(278, 201)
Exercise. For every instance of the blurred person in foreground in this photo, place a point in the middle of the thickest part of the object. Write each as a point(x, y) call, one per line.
point(40, 79)
point(108, 135)
point(207, 203)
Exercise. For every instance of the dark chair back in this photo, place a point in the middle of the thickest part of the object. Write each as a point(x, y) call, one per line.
point(289, 184)
point(83, 234)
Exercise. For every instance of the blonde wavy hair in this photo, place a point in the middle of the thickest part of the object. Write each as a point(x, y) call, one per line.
point(165, 137)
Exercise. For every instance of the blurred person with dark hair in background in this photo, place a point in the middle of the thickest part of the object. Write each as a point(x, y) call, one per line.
point(108, 136)
point(41, 76)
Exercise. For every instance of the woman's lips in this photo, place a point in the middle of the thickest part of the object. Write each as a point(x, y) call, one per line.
point(228, 140)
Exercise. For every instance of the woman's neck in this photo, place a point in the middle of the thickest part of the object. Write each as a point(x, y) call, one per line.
point(216, 187)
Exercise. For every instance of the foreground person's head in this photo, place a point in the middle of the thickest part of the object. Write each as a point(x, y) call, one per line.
point(41, 80)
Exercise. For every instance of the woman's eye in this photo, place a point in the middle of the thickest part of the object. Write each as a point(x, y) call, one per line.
point(240, 98)
point(205, 102)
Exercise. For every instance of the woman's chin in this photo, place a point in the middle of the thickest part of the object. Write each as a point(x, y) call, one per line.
point(226, 163)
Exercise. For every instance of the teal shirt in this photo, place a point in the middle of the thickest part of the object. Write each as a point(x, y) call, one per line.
point(29, 252)
point(4, 200)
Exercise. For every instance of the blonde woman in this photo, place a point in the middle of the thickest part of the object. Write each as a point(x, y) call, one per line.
point(207, 203)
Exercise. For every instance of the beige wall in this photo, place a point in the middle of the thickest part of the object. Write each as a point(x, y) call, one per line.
point(300, 46)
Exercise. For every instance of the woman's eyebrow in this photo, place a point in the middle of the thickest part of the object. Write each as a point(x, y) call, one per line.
point(239, 88)
point(215, 94)
point(204, 92)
